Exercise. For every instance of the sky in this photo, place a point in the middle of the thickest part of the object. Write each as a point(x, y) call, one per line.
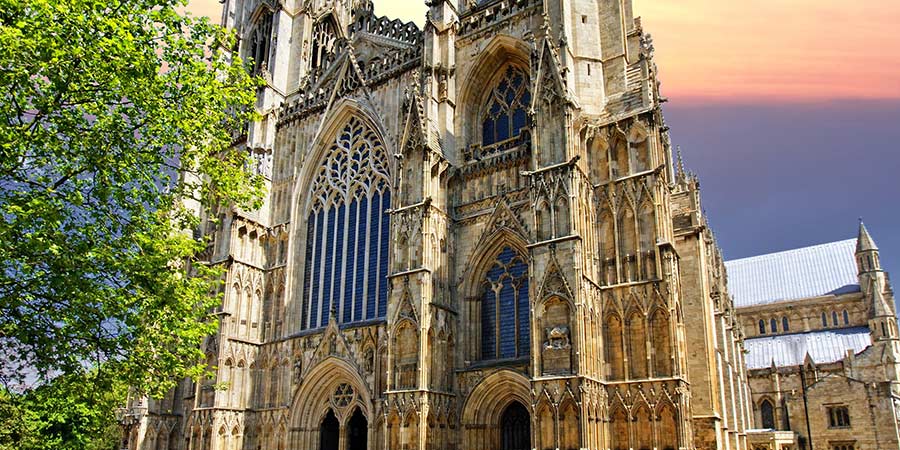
point(788, 111)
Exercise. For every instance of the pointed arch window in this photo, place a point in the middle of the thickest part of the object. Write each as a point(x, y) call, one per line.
point(504, 112)
point(846, 318)
point(785, 324)
point(767, 414)
point(773, 324)
point(505, 324)
point(347, 231)
point(762, 326)
point(260, 41)
point(324, 37)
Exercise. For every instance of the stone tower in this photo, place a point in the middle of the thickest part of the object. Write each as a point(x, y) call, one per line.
point(468, 242)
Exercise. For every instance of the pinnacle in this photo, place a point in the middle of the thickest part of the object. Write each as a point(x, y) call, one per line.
point(864, 241)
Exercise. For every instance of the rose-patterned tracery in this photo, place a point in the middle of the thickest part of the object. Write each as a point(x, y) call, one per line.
point(504, 113)
point(347, 231)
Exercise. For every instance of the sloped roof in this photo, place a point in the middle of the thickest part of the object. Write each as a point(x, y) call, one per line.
point(794, 274)
point(823, 346)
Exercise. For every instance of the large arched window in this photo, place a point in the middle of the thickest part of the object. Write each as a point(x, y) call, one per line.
point(504, 308)
point(504, 112)
point(348, 231)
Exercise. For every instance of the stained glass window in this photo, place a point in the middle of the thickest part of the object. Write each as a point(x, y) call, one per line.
point(348, 231)
point(505, 324)
point(504, 114)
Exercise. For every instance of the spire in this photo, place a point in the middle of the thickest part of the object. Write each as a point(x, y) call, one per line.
point(864, 242)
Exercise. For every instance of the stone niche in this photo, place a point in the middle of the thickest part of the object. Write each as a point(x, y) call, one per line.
point(556, 350)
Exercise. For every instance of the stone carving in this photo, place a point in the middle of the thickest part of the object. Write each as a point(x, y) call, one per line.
point(557, 338)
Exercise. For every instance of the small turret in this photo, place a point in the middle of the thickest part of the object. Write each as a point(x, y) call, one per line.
point(866, 251)
point(874, 285)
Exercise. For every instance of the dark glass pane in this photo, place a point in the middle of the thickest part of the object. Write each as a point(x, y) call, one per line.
point(307, 276)
point(349, 265)
point(317, 271)
point(360, 279)
point(487, 136)
point(506, 255)
point(524, 322)
point(337, 278)
point(507, 320)
point(519, 121)
point(328, 256)
point(383, 262)
point(488, 324)
point(372, 274)
point(502, 127)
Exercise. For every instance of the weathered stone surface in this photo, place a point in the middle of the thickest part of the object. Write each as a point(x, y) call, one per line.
point(546, 280)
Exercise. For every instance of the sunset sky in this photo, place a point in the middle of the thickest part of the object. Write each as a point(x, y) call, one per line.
point(788, 110)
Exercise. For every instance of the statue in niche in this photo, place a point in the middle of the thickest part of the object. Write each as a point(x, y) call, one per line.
point(557, 338)
point(298, 369)
point(556, 357)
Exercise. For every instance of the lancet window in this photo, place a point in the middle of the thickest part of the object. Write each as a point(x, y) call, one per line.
point(504, 308)
point(324, 37)
point(504, 112)
point(260, 40)
point(348, 231)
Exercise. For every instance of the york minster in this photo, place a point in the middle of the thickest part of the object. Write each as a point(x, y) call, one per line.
point(479, 236)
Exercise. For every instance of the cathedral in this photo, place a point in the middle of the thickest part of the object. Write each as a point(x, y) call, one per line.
point(475, 237)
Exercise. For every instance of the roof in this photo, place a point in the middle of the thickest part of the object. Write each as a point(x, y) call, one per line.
point(823, 346)
point(826, 269)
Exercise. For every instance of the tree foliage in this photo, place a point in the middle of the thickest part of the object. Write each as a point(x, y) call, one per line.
point(115, 128)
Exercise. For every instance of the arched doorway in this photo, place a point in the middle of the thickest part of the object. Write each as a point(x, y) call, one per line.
point(357, 431)
point(329, 432)
point(515, 428)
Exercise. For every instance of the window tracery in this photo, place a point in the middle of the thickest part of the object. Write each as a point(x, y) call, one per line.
point(324, 37)
point(504, 112)
point(260, 40)
point(505, 324)
point(348, 231)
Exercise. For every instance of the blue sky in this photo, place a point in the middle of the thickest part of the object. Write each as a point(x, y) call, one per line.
point(776, 176)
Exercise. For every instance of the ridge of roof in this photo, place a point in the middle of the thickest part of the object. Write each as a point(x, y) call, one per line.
point(800, 273)
point(791, 250)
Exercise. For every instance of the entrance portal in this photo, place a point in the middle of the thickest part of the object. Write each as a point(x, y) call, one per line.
point(515, 428)
point(329, 432)
point(357, 431)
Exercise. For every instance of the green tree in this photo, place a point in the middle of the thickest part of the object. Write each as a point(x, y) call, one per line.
point(116, 125)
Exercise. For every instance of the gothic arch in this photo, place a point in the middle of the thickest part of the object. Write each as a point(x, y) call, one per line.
point(308, 167)
point(345, 186)
point(317, 395)
point(483, 257)
point(486, 403)
point(500, 52)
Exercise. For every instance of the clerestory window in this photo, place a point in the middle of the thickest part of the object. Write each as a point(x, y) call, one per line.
point(348, 231)
point(504, 114)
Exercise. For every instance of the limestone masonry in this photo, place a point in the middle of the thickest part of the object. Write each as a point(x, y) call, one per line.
point(475, 238)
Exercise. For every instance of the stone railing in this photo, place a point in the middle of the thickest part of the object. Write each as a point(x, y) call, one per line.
point(487, 14)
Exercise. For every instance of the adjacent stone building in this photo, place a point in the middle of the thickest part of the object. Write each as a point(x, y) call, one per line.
point(475, 238)
point(822, 346)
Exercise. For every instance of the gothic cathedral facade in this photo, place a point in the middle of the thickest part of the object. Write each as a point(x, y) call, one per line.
point(475, 238)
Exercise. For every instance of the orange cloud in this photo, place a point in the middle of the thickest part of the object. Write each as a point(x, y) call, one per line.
point(762, 50)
